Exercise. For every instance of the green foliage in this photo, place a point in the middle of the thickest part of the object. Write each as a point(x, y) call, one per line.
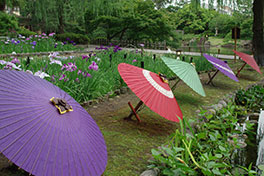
point(246, 29)
point(205, 150)
point(224, 23)
point(8, 23)
point(251, 98)
point(77, 38)
point(25, 32)
point(133, 20)
point(192, 19)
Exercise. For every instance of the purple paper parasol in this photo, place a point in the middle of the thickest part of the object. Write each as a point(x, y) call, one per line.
point(221, 66)
point(37, 138)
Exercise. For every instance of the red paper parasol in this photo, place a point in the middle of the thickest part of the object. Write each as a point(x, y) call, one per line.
point(249, 60)
point(150, 88)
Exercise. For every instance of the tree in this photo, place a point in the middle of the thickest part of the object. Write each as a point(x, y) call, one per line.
point(193, 20)
point(133, 19)
point(258, 40)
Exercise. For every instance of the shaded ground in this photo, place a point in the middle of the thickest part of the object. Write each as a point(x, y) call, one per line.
point(129, 143)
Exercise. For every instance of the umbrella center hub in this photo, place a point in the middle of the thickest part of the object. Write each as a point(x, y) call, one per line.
point(163, 78)
point(61, 104)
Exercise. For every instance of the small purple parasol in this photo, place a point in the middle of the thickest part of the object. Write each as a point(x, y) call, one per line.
point(221, 66)
point(45, 131)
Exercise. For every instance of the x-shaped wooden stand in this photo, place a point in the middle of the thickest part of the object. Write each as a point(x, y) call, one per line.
point(211, 77)
point(134, 111)
point(241, 68)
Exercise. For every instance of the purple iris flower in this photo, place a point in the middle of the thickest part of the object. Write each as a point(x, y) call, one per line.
point(117, 48)
point(70, 67)
point(62, 77)
point(134, 60)
point(33, 43)
point(15, 61)
point(53, 78)
point(84, 56)
point(51, 34)
point(77, 80)
point(88, 75)
point(93, 66)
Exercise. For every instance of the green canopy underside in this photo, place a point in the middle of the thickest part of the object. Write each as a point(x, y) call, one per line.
point(186, 72)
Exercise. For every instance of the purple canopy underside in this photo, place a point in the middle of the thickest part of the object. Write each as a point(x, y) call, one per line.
point(37, 138)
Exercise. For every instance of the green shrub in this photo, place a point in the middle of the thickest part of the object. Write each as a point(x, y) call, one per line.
point(8, 24)
point(251, 98)
point(77, 38)
point(25, 32)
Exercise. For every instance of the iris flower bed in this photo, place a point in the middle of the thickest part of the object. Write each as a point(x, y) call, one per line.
point(35, 43)
point(88, 76)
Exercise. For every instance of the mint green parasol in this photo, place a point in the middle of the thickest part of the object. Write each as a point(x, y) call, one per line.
point(186, 72)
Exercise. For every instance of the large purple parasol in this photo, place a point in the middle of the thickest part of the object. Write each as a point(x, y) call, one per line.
point(221, 66)
point(37, 138)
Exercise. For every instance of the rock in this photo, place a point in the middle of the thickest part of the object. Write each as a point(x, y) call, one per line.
point(242, 144)
point(228, 45)
point(88, 103)
point(197, 111)
point(226, 99)
point(238, 171)
point(223, 103)
point(118, 92)
point(123, 90)
point(211, 111)
point(111, 99)
point(207, 43)
point(207, 107)
point(95, 107)
point(253, 121)
point(244, 136)
point(216, 107)
point(254, 116)
point(3, 162)
point(219, 106)
point(150, 172)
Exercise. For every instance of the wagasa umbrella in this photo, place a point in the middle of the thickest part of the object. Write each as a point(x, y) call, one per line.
point(248, 60)
point(152, 89)
point(220, 66)
point(186, 72)
point(45, 131)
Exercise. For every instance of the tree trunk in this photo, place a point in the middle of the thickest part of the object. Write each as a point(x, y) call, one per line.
point(60, 9)
point(258, 40)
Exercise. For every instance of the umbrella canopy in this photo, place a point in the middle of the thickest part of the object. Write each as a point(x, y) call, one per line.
point(186, 72)
point(41, 140)
point(249, 60)
point(150, 88)
point(221, 66)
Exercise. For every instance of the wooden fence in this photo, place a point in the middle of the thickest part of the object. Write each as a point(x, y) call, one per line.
point(131, 44)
